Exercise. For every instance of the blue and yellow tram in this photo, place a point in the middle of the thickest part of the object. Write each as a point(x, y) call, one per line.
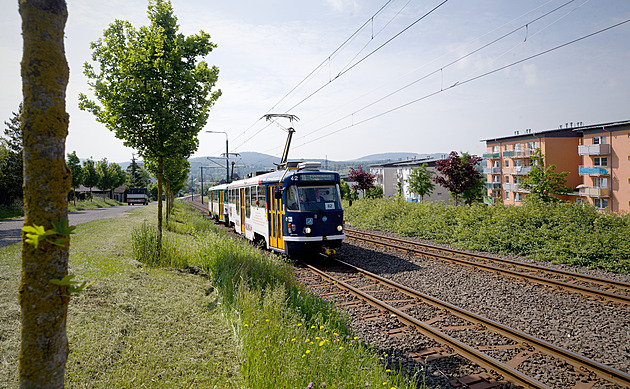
point(295, 211)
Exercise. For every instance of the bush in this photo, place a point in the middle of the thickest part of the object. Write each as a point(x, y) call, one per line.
point(555, 232)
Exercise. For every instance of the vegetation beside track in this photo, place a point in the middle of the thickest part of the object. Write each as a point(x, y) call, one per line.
point(135, 326)
point(288, 337)
point(16, 209)
point(554, 232)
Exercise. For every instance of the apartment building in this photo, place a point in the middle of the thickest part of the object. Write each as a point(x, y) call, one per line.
point(392, 175)
point(597, 158)
point(605, 165)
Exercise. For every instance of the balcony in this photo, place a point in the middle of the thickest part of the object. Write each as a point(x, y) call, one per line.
point(493, 185)
point(518, 154)
point(595, 192)
point(521, 170)
point(594, 149)
point(492, 155)
point(491, 170)
point(594, 170)
point(511, 187)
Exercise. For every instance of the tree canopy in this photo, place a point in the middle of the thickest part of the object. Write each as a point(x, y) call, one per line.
point(154, 93)
point(364, 180)
point(420, 181)
point(544, 182)
point(459, 175)
point(11, 164)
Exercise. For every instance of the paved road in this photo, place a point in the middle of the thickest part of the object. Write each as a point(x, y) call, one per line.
point(11, 230)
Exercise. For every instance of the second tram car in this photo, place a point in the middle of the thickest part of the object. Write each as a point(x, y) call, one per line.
point(294, 211)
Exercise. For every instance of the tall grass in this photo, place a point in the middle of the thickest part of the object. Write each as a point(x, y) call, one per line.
point(554, 232)
point(290, 338)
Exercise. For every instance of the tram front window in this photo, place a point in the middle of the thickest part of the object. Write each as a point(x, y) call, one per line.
point(318, 198)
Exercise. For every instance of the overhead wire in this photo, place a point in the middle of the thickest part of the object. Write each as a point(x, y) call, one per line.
point(459, 83)
point(318, 67)
point(440, 69)
point(367, 56)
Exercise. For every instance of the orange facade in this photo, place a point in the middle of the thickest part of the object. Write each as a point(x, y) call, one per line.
point(596, 157)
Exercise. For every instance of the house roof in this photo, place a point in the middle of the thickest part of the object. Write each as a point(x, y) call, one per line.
point(408, 163)
point(568, 132)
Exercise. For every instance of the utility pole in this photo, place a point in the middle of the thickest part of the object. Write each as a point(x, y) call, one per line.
point(227, 159)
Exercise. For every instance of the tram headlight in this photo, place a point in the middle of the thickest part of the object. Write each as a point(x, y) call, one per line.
point(339, 228)
point(307, 230)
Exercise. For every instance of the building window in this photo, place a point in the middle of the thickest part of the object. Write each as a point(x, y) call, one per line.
point(517, 147)
point(599, 140)
point(600, 182)
point(507, 195)
point(600, 161)
point(495, 179)
point(518, 163)
point(495, 149)
point(601, 203)
point(505, 148)
point(518, 197)
point(497, 163)
point(507, 163)
point(532, 145)
point(507, 179)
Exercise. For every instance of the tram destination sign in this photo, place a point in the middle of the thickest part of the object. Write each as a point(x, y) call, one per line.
point(317, 177)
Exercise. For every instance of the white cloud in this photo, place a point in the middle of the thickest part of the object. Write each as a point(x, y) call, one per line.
point(343, 5)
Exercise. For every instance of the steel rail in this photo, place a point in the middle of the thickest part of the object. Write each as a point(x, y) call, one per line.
point(594, 292)
point(463, 349)
point(574, 359)
point(582, 277)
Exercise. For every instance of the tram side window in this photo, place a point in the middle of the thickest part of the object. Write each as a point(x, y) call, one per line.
point(292, 199)
point(248, 202)
point(261, 196)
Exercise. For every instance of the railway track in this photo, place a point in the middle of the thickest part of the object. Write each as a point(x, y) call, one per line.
point(593, 286)
point(507, 347)
point(400, 302)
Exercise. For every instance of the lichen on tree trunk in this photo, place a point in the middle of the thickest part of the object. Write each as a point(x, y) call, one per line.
point(44, 347)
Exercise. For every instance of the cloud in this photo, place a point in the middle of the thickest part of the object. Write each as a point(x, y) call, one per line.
point(343, 5)
point(530, 71)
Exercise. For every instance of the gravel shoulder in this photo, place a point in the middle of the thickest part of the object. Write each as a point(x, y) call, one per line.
point(600, 330)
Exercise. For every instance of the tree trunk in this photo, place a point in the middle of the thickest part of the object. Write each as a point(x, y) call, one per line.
point(168, 200)
point(47, 179)
point(159, 185)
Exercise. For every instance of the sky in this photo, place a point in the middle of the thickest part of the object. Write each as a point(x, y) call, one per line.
point(367, 76)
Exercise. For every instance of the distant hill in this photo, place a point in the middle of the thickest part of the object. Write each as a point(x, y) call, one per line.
point(247, 162)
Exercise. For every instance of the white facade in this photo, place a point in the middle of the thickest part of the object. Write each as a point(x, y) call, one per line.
point(390, 175)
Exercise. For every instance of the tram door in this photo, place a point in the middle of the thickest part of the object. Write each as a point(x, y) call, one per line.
point(221, 206)
point(274, 215)
point(242, 196)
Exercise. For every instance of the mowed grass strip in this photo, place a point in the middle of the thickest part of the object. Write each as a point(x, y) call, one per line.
point(134, 327)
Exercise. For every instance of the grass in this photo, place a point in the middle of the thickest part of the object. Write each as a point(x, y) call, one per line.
point(16, 209)
point(289, 338)
point(135, 326)
point(209, 311)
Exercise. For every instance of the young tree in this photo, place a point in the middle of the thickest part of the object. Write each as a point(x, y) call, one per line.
point(154, 93)
point(110, 175)
point(420, 181)
point(137, 177)
point(543, 182)
point(475, 193)
point(11, 164)
point(90, 175)
point(44, 125)
point(74, 163)
point(364, 179)
point(175, 176)
point(458, 176)
point(375, 192)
